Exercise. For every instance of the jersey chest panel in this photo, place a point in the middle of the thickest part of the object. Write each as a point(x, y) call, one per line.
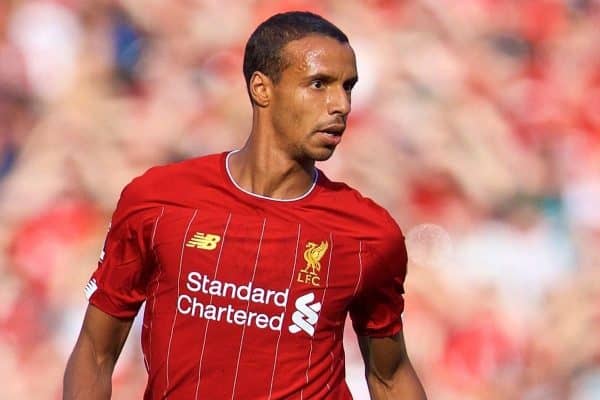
point(264, 265)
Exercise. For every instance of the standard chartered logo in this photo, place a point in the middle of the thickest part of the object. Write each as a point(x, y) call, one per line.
point(306, 315)
point(198, 283)
point(189, 303)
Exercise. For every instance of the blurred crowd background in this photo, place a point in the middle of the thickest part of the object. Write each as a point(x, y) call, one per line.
point(475, 122)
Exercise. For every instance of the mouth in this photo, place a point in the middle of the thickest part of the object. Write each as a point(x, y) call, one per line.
point(333, 130)
point(331, 134)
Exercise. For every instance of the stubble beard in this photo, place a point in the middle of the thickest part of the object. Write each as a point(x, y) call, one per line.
point(319, 153)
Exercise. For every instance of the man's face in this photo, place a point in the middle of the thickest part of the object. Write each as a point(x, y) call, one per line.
point(311, 101)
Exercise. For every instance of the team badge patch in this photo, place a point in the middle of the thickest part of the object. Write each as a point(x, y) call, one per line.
point(313, 255)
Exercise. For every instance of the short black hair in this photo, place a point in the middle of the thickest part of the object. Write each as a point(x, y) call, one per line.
point(263, 49)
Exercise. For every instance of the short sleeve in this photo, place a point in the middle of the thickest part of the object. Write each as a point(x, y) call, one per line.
point(377, 310)
point(118, 286)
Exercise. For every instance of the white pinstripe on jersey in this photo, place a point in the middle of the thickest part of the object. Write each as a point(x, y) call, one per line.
point(360, 268)
point(178, 293)
point(317, 325)
point(237, 367)
point(162, 211)
point(211, 299)
point(284, 312)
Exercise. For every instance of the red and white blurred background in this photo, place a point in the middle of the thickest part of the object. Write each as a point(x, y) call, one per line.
point(475, 122)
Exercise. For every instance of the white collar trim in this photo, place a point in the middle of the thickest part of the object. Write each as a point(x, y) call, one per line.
point(309, 191)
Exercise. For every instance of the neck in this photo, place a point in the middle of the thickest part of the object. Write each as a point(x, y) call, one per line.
point(264, 168)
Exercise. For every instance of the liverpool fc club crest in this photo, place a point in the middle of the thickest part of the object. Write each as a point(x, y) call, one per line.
point(312, 255)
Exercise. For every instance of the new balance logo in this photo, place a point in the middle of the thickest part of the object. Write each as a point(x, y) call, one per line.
point(204, 241)
point(90, 288)
point(306, 315)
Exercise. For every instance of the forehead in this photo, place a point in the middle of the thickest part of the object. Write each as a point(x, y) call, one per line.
point(318, 54)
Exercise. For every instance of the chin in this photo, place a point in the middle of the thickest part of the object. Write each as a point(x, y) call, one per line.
point(321, 154)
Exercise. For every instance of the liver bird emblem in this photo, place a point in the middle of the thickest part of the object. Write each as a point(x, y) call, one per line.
point(313, 255)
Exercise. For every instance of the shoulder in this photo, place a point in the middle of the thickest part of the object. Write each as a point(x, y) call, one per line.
point(382, 242)
point(373, 220)
point(162, 180)
point(168, 184)
point(177, 171)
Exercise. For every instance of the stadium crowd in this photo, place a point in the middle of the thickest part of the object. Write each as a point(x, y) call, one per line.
point(475, 122)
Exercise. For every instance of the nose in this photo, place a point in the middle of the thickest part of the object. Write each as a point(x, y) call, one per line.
point(338, 102)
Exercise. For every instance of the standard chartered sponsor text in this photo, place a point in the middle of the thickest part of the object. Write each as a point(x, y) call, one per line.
point(189, 304)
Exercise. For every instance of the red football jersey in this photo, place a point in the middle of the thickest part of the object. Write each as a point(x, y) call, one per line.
point(246, 296)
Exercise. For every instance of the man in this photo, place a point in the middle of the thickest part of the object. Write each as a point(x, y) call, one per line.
point(249, 261)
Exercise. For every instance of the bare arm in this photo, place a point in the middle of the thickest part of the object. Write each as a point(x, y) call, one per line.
point(89, 369)
point(390, 375)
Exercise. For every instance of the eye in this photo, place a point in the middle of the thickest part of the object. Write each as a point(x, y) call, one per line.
point(317, 84)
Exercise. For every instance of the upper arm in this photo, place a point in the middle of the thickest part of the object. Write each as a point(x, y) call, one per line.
point(390, 374)
point(89, 370)
point(103, 335)
point(383, 356)
point(119, 284)
point(377, 308)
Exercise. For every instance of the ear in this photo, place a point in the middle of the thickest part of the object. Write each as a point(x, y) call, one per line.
point(260, 88)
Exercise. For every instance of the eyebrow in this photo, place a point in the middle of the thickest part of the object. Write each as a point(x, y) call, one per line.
point(352, 81)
